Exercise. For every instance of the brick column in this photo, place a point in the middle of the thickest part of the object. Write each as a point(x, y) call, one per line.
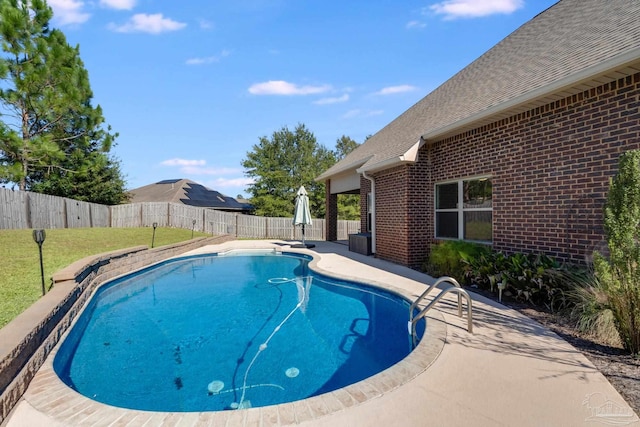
point(331, 213)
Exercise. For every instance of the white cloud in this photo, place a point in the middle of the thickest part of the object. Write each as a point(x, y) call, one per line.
point(183, 162)
point(208, 59)
point(326, 101)
point(68, 12)
point(197, 170)
point(415, 24)
point(392, 90)
point(452, 9)
point(206, 25)
point(118, 4)
point(230, 183)
point(280, 87)
point(352, 114)
point(152, 24)
point(198, 167)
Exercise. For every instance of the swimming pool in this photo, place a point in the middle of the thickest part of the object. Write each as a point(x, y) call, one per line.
point(214, 332)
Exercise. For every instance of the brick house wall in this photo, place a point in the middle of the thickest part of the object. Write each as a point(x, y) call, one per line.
point(550, 169)
point(365, 188)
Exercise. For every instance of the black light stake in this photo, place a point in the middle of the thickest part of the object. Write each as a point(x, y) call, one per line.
point(153, 238)
point(193, 228)
point(38, 237)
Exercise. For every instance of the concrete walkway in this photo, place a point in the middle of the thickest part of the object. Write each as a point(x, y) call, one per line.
point(510, 372)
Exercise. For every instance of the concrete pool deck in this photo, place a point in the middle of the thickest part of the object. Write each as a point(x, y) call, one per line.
point(510, 372)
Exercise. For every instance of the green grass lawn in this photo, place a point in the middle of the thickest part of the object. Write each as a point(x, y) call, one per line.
point(20, 280)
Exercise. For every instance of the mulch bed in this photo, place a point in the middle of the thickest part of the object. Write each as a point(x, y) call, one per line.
point(619, 367)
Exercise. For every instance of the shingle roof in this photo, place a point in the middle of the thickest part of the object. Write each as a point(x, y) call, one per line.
point(573, 45)
point(186, 192)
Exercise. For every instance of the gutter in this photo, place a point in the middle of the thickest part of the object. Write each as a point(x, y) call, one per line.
point(410, 156)
point(373, 210)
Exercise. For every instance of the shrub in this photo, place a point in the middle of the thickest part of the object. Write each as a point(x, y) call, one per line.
point(619, 274)
point(588, 310)
point(449, 258)
point(534, 278)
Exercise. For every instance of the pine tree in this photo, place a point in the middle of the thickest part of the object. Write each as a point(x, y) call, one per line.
point(51, 138)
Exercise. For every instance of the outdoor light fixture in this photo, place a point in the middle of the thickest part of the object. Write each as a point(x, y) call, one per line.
point(501, 286)
point(153, 238)
point(38, 237)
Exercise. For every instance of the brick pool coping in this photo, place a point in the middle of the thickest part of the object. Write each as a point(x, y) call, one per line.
point(56, 402)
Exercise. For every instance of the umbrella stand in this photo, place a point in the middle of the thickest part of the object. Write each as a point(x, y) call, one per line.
point(304, 245)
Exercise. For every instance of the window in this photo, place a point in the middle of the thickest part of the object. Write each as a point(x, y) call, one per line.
point(464, 210)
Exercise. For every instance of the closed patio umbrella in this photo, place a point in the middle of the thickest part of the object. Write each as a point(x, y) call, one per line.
point(302, 214)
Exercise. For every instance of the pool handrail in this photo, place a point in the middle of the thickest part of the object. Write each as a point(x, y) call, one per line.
point(456, 288)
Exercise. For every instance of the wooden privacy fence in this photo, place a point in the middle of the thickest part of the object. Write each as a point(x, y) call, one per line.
point(20, 209)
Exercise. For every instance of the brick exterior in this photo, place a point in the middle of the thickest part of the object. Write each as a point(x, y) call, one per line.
point(550, 169)
point(365, 188)
point(331, 201)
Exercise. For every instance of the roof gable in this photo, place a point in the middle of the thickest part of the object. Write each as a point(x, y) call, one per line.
point(188, 193)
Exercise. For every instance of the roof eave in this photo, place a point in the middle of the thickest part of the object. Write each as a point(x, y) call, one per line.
point(410, 156)
point(343, 169)
point(619, 61)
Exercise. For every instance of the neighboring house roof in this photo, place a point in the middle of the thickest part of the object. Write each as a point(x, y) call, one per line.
point(186, 192)
point(571, 47)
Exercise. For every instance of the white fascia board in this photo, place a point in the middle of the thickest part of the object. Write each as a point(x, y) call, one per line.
point(410, 156)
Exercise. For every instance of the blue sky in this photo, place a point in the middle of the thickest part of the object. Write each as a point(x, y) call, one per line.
point(191, 86)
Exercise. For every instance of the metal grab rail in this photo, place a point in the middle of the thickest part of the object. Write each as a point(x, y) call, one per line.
point(455, 288)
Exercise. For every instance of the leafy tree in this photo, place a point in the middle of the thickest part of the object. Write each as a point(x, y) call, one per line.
point(619, 274)
point(348, 204)
point(51, 138)
point(344, 146)
point(280, 165)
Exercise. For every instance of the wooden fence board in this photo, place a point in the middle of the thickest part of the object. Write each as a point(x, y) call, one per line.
point(125, 216)
point(46, 211)
point(157, 212)
point(183, 216)
point(219, 222)
point(13, 209)
point(279, 228)
point(78, 213)
point(100, 216)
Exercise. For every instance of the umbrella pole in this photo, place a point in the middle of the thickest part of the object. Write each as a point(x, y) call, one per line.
point(303, 234)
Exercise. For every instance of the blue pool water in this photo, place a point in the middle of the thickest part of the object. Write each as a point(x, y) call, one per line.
point(215, 332)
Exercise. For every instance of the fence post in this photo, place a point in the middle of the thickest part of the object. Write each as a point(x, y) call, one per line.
point(27, 208)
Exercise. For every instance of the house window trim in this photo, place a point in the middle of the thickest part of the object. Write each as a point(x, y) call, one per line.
point(460, 209)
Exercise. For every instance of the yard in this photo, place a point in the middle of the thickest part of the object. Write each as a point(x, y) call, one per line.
point(20, 282)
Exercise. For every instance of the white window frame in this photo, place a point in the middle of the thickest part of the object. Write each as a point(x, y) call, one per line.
point(460, 209)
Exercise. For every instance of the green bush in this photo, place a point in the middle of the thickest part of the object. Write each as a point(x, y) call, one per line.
point(618, 274)
point(534, 278)
point(449, 258)
point(589, 310)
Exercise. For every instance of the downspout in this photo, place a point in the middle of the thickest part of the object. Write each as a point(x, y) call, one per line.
point(373, 210)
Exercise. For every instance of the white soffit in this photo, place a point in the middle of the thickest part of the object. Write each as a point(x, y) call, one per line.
point(345, 182)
